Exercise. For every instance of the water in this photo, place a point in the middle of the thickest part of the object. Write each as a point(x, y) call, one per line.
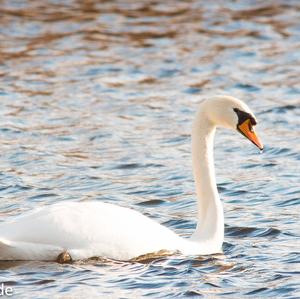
point(97, 101)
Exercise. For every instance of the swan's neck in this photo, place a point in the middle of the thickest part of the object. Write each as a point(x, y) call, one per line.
point(210, 225)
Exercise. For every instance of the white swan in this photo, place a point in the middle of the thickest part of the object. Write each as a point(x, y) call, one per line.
point(90, 229)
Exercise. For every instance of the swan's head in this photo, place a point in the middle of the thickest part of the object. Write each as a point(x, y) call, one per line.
point(229, 112)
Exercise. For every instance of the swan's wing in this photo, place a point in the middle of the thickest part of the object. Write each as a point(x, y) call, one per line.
point(84, 230)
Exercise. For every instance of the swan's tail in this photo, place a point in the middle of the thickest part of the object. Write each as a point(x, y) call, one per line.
point(6, 247)
point(4, 244)
point(16, 250)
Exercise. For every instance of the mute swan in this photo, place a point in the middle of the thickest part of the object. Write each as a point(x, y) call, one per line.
point(87, 229)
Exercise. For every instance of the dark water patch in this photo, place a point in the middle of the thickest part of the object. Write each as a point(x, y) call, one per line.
point(151, 203)
point(247, 87)
point(275, 151)
point(154, 165)
point(10, 131)
point(221, 189)
point(269, 164)
point(192, 90)
point(291, 234)
point(129, 166)
point(156, 191)
point(293, 190)
point(289, 202)
point(245, 232)
point(289, 273)
point(256, 291)
point(236, 193)
point(191, 294)
point(42, 197)
point(175, 177)
point(10, 283)
point(125, 166)
point(65, 138)
point(281, 291)
point(167, 73)
point(181, 224)
point(249, 166)
point(44, 281)
point(2, 188)
point(240, 231)
point(269, 232)
point(99, 70)
point(100, 136)
point(292, 258)
point(176, 140)
point(280, 109)
point(228, 247)
point(16, 188)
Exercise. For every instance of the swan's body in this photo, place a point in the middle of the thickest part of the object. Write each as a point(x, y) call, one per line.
point(85, 230)
point(90, 229)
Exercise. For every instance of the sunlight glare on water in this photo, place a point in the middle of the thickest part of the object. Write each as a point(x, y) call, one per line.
point(97, 100)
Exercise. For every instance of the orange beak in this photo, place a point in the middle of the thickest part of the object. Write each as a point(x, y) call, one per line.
point(247, 130)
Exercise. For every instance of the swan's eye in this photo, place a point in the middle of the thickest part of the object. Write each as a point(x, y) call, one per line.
point(243, 116)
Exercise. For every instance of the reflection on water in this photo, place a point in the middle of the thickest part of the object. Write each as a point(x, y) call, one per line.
point(97, 99)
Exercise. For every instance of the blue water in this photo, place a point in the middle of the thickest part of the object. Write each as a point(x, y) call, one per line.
point(96, 102)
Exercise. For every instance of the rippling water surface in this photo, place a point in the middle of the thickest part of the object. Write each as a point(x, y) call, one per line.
point(96, 102)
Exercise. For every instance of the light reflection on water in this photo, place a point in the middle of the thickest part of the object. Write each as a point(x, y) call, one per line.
point(97, 101)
